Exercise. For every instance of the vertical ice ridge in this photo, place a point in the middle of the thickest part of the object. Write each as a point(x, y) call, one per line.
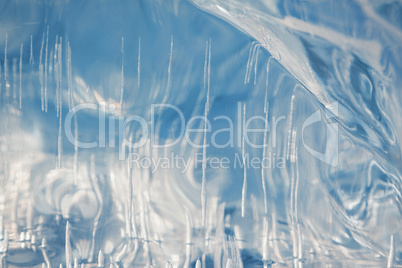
point(275, 238)
point(229, 264)
point(252, 61)
point(75, 163)
point(98, 194)
point(296, 237)
point(5, 242)
point(69, 78)
point(131, 204)
point(300, 246)
point(56, 73)
point(46, 66)
point(391, 254)
point(168, 83)
point(1, 84)
point(6, 84)
point(20, 91)
point(264, 149)
point(119, 257)
point(31, 58)
point(139, 63)
point(144, 229)
point(59, 101)
point(122, 76)
point(207, 74)
point(41, 73)
point(188, 239)
point(292, 207)
point(244, 189)
point(296, 207)
point(248, 62)
point(290, 127)
point(1, 227)
point(101, 259)
point(69, 252)
point(15, 89)
point(256, 64)
point(44, 252)
point(265, 252)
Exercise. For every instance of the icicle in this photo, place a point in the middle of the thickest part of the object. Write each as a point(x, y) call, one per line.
point(60, 74)
point(207, 75)
point(244, 189)
point(46, 66)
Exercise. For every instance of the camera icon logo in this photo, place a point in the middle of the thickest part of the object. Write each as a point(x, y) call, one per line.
point(330, 156)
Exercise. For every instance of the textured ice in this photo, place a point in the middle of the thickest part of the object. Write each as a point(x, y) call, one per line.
point(318, 83)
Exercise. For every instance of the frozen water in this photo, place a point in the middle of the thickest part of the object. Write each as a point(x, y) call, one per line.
point(202, 133)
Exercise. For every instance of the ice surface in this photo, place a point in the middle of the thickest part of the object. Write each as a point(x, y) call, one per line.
point(202, 133)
